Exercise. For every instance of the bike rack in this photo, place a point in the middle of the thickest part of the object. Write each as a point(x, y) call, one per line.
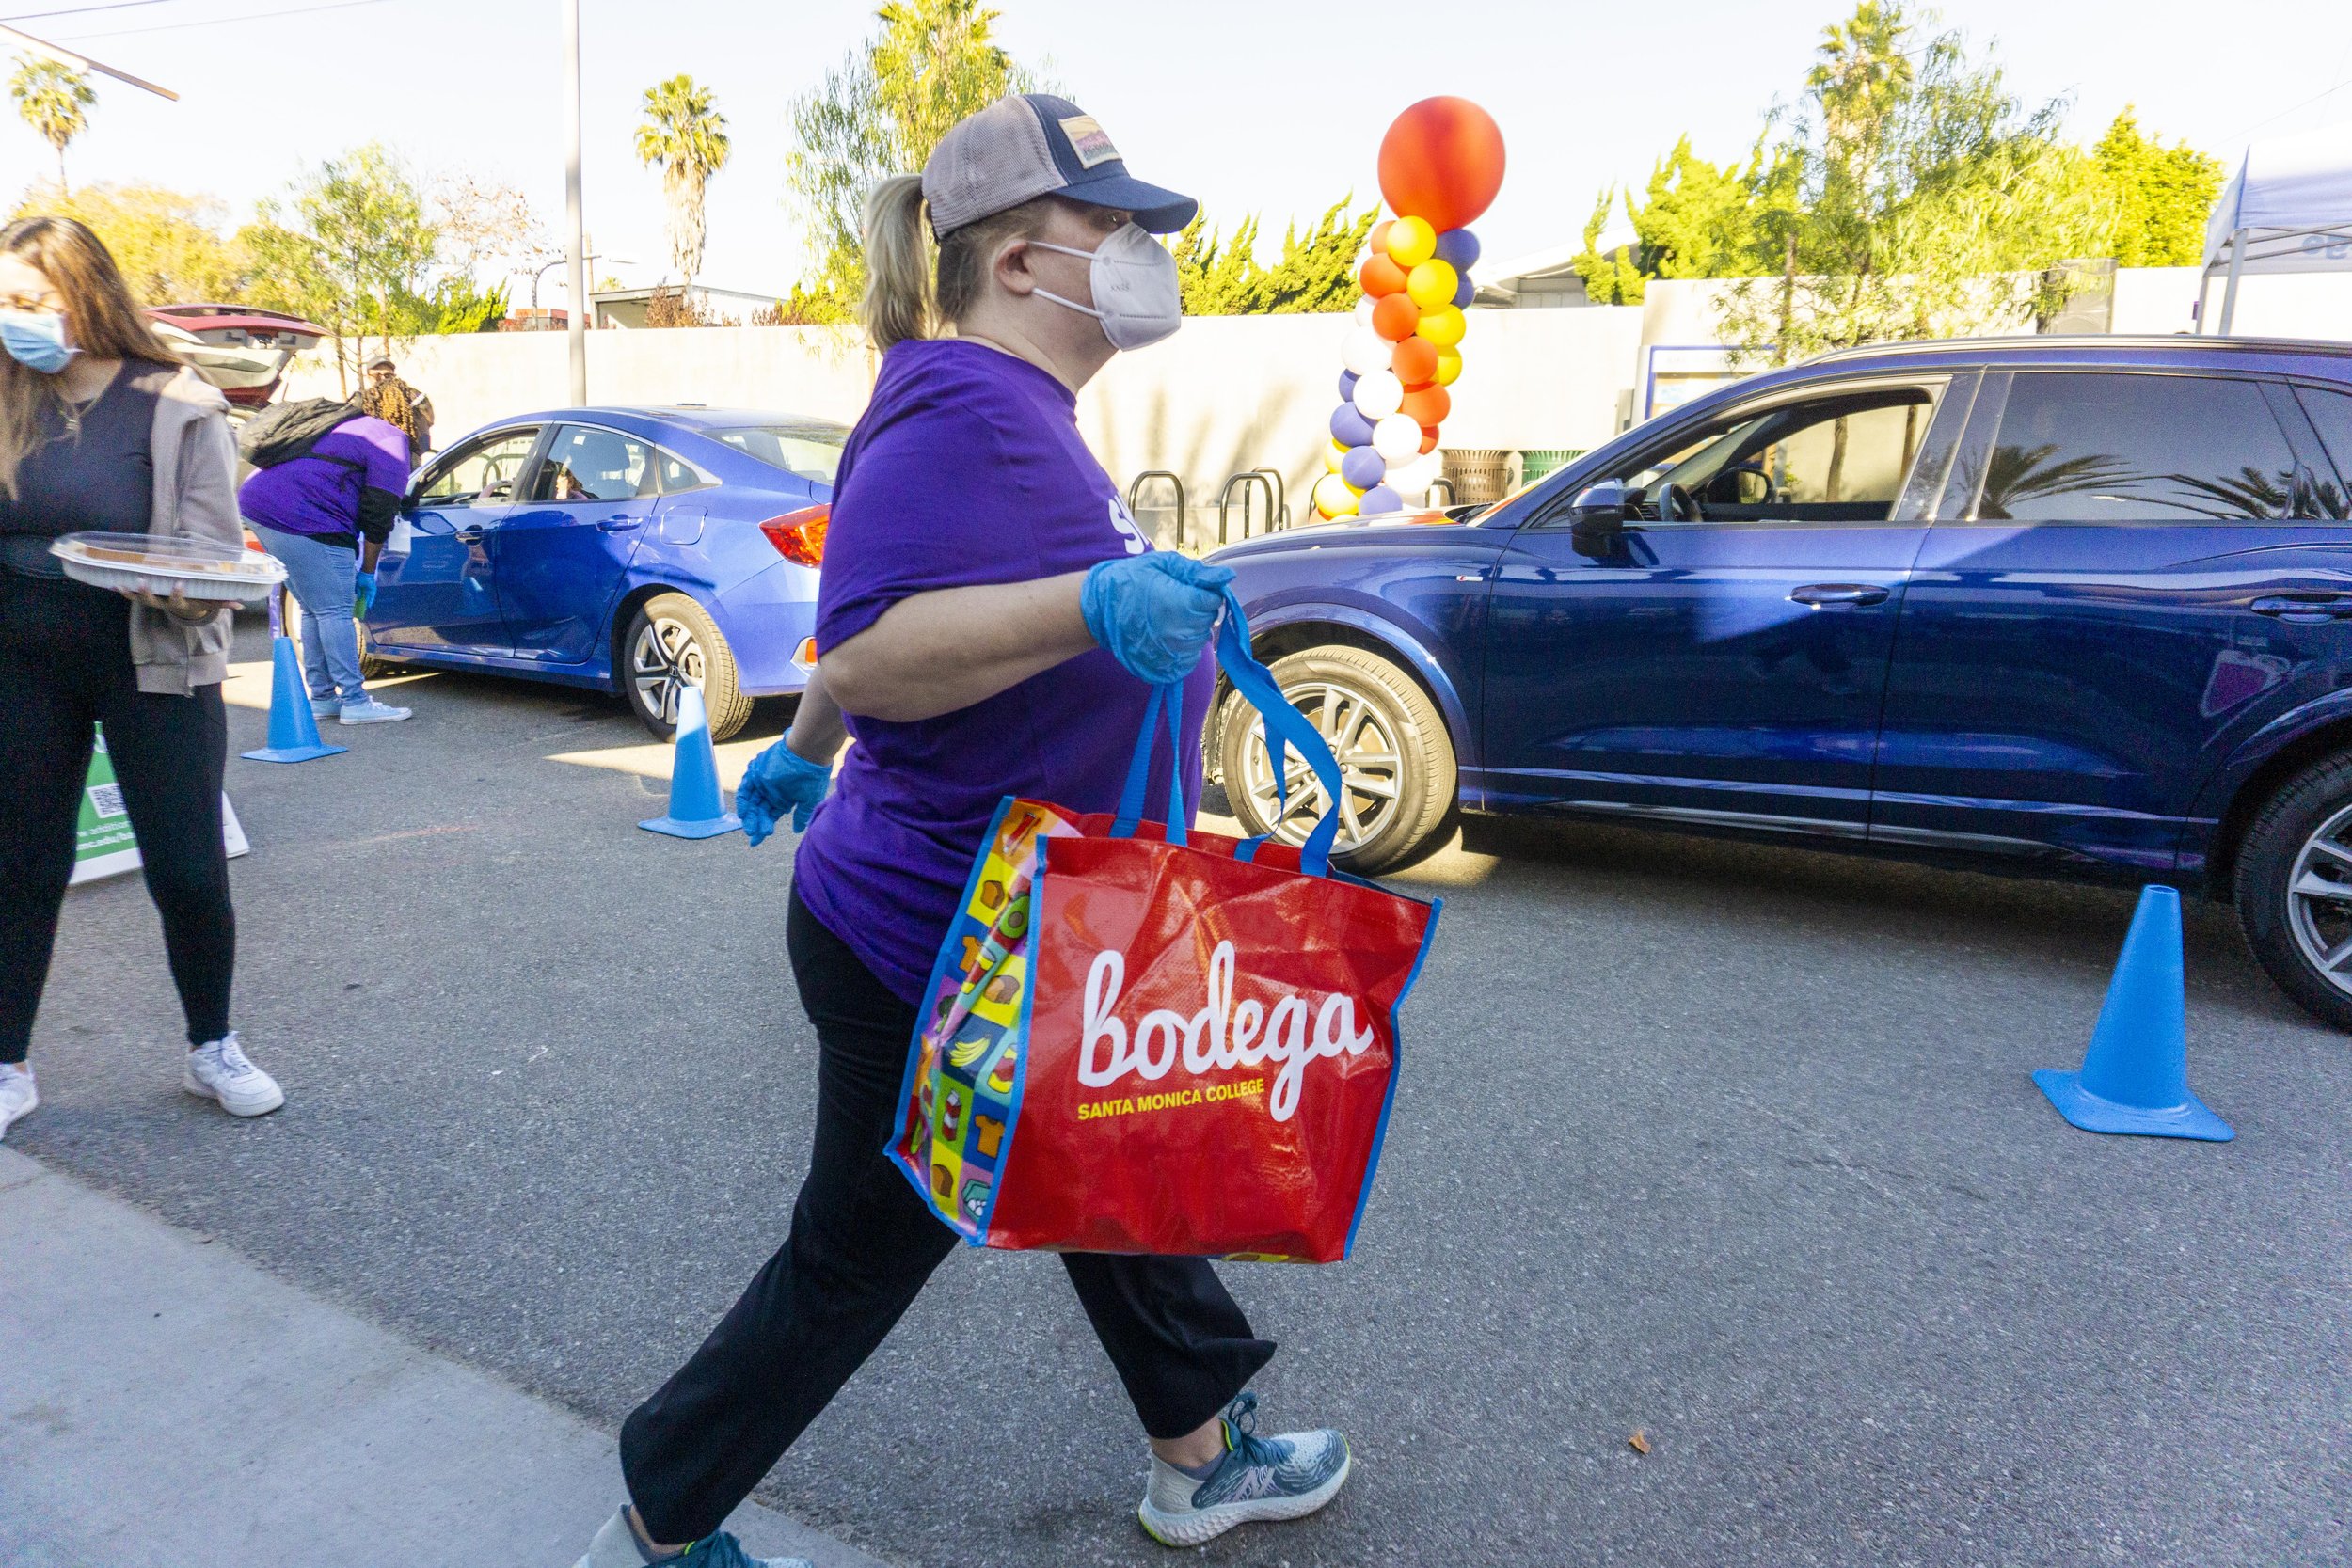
point(1254, 478)
point(1134, 491)
point(1450, 498)
point(1281, 497)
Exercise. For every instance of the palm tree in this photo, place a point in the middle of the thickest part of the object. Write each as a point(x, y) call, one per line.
point(685, 136)
point(51, 97)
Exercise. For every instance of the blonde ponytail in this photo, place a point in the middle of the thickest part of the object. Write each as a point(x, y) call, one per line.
point(897, 301)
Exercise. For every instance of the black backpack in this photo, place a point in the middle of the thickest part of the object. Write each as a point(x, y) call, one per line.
point(289, 431)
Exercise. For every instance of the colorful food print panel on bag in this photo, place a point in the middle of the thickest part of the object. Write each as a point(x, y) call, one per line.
point(963, 1065)
point(1141, 1039)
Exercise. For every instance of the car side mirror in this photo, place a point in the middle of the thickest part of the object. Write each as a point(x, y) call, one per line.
point(1597, 519)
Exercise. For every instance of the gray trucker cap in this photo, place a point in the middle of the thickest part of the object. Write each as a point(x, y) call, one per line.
point(1033, 144)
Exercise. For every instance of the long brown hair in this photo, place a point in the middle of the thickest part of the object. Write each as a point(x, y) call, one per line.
point(103, 319)
point(901, 298)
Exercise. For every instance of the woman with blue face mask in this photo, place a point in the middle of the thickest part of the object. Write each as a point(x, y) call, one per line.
point(102, 429)
point(990, 623)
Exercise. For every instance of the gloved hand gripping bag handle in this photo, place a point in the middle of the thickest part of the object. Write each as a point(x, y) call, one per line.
point(1285, 728)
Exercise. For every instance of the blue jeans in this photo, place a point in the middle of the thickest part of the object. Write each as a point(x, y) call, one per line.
point(321, 575)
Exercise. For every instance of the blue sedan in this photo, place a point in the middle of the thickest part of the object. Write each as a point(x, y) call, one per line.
point(2081, 606)
point(627, 549)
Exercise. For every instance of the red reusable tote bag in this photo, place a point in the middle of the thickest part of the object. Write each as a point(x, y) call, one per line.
point(1139, 1039)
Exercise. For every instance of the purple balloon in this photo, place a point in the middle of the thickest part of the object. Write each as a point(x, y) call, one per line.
point(1463, 292)
point(1347, 386)
point(1379, 499)
point(1349, 428)
point(1458, 249)
point(1363, 468)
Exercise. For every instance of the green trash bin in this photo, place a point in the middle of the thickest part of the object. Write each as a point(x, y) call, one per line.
point(1541, 463)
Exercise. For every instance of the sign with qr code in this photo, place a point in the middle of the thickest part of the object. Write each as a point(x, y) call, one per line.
point(105, 846)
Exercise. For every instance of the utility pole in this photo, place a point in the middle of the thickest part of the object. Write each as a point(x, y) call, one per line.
point(576, 326)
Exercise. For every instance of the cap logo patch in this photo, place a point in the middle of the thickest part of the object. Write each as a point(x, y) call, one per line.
point(1089, 141)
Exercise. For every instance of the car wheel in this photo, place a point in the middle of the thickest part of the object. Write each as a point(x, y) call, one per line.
point(2295, 889)
point(1396, 761)
point(375, 667)
point(671, 642)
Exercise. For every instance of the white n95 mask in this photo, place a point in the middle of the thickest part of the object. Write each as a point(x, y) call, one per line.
point(1136, 298)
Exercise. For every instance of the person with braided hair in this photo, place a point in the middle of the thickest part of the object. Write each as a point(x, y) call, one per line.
point(387, 397)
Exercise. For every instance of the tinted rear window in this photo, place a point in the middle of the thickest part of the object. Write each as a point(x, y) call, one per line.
point(810, 455)
point(2095, 448)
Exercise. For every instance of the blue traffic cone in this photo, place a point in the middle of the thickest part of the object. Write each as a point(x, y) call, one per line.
point(2135, 1076)
point(696, 808)
point(294, 732)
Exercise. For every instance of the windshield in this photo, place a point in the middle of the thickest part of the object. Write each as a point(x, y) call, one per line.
point(803, 452)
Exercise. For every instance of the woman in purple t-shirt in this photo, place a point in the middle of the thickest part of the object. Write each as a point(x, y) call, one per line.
point(986, 610)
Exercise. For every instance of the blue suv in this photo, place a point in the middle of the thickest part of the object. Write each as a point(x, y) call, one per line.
point(2078, 606)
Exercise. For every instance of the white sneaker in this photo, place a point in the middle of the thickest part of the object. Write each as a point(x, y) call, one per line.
point(1260, 1478)
point(220, 1071)
point(16, 1094)
point(326, 707)
point(367, 710)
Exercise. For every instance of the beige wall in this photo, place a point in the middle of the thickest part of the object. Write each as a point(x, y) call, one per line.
point(1225, 394)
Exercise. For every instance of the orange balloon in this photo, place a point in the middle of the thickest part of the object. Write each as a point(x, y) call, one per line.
point(1428, 438)
point(1395, 317)
point(1441, 160)
point(1427, 406)
point(1380, 276)
point(1415, 361)
point(1379, 240)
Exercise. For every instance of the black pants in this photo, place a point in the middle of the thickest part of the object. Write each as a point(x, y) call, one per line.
point(862, 1245)
point(65, 664)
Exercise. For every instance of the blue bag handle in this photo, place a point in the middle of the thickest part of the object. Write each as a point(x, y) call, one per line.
point(1170, 700)
point(1285, 728)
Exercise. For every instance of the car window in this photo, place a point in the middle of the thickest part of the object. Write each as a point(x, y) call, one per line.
point(811, 454)
point(2090, 447)
point(586, 464)
point(2331, 415)
point(678, 475)
point(1840, 459)
point(481, 473)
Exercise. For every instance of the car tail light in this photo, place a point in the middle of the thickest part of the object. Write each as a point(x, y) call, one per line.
point(805, 654)
point(800, 536)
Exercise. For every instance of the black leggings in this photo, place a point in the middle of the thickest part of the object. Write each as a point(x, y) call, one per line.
point(65, 665)
point(862, 1245)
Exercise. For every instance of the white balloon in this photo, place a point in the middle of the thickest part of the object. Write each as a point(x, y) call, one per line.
point(1366, 351)
point(1396, 438)
point(1378, 395)
point(1333, 497)
point(1363, 312)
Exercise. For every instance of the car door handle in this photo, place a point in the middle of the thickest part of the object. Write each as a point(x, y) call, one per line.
point(621, 524)
point(2306, 608)
point(468, 536)
point(1822, 594)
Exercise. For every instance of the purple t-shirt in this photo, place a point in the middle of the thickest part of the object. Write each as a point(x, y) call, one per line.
point(316, 494)
point(967, 467)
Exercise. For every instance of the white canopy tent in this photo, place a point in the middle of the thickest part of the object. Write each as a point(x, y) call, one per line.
point(2287, 209)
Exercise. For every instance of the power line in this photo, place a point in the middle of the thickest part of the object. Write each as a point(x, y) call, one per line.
point(222, 21)
point(82, 10)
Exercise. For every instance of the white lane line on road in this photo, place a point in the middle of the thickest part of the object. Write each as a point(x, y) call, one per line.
point(165, 1400)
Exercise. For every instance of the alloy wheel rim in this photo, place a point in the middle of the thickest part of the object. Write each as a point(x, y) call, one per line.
point(2319, 900)
point(1372, 768)
point(664, 658)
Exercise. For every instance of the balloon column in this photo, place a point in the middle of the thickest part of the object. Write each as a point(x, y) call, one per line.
point(1440, 165)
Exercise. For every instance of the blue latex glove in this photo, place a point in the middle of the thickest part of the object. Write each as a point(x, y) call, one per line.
point(780, 780)
point(1156, 613)
point(363, 596)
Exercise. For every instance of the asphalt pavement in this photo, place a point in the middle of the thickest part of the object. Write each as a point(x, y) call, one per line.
point(1732, 1147)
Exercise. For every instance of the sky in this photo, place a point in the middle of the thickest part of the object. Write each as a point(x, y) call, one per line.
point(1270, 107)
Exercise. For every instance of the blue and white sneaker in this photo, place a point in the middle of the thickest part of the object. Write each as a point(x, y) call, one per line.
point(616, 1547)
point(327, 707)
point(1260, 1478)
